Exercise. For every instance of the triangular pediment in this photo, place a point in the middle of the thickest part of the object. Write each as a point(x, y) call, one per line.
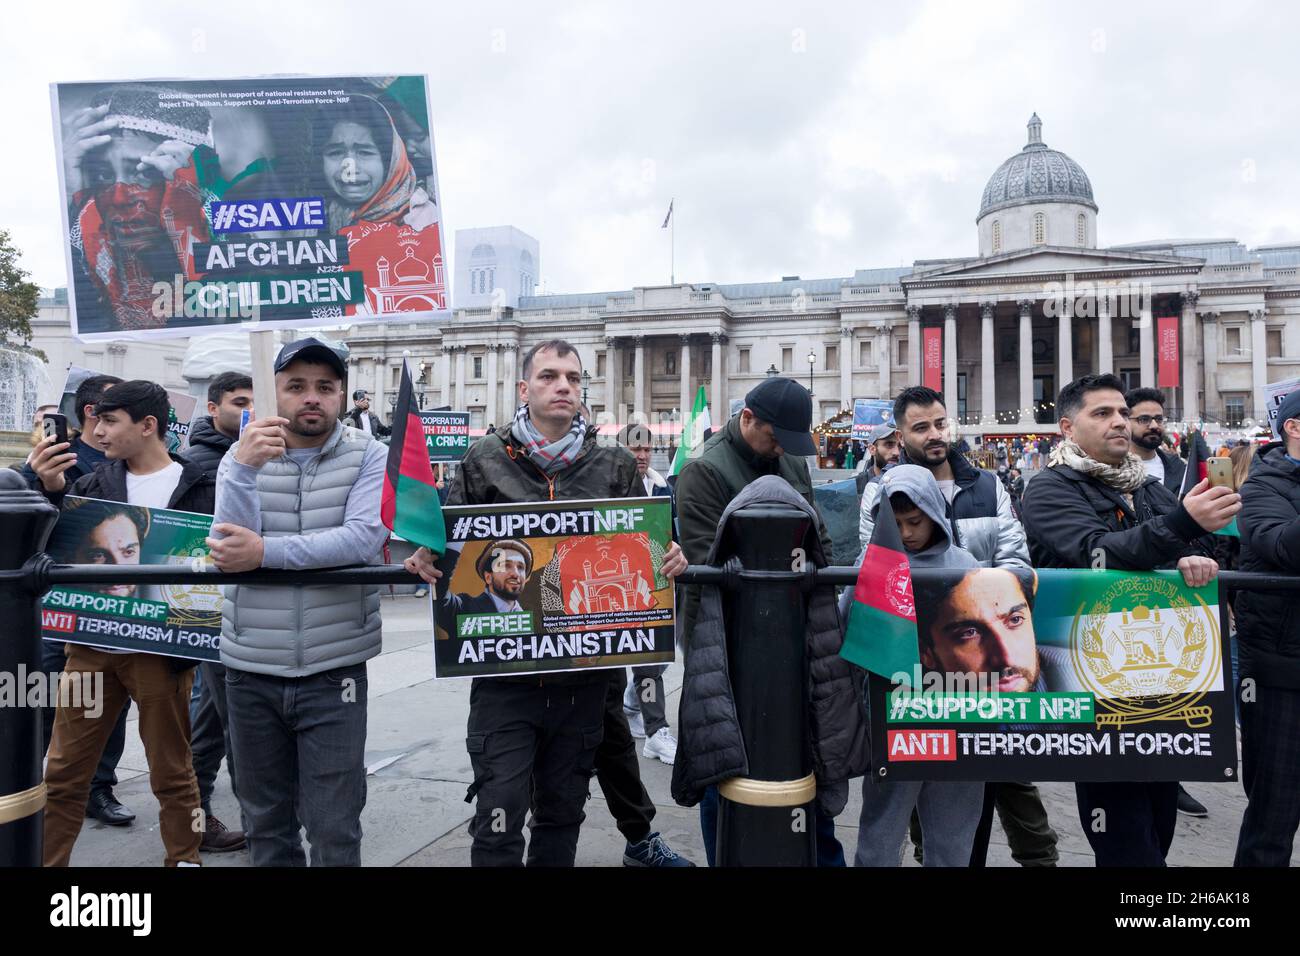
point(1049, 259)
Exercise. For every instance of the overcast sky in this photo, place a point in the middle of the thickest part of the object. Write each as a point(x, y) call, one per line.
point(796, 139)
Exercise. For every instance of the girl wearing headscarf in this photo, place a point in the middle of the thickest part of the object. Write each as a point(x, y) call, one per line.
point(371, 197)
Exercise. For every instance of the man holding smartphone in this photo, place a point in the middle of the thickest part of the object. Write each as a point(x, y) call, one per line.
point(88, 455)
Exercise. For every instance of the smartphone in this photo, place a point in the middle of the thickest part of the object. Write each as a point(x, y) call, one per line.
point(245, 417)
point(56, 425)
point(1219, 471)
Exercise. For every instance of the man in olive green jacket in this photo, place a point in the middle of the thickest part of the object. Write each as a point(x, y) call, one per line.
point(766, 438)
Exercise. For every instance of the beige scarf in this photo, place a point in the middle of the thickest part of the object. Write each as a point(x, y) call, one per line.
point(1126, 477)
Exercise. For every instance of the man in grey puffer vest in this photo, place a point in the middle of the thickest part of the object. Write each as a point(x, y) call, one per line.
point(300, 491)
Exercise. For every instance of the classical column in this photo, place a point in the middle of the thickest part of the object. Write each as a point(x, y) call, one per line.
point(1191, 371)
point(639, 383)
point(493, 386)
point(460, 377)
point(1105, 348)
point(885, 360)
point(846, 367)
point(444, 376)
point(1026, 307)
point(1258, 362)
point(611, 378)
point(717, 395)
point(950, 360)
point(1147, 346)
point(913, 344)
point(1065, 342)
point(988, 382)
point(684, 364)
point(511, 382)
point(1210, 354)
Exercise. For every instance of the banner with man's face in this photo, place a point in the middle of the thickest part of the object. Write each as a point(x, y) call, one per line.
point(1059, 675)
point(572, 585)
point(277, 202)
point(175, 620)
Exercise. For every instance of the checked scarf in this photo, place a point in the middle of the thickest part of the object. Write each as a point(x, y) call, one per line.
point(550, 456)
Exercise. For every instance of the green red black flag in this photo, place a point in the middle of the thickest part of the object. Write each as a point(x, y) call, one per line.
point(881, 635)
point(411, 508)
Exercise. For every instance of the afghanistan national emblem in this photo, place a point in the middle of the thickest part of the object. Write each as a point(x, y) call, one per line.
point(1147, 653)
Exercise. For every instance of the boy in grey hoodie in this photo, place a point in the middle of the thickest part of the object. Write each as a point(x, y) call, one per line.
point(949, 810)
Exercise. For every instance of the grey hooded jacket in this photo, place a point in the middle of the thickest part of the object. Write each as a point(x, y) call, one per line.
point(980, 516)
point(710, 747)
point(919, 485)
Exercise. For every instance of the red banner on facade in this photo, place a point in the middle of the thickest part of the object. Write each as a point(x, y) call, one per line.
point(932, 359)
point(1167, 351)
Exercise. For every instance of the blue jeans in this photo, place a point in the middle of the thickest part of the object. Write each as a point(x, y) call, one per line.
point(949, 811)
point(300, 741)
point(829, 851)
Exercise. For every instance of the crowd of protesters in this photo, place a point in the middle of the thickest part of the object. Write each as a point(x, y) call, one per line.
point(299, 489)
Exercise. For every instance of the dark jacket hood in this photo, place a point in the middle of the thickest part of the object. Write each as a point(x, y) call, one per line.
point(203, 432)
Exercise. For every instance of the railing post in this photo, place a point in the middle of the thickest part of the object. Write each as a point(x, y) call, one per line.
point(767, 818)
point(26, 519)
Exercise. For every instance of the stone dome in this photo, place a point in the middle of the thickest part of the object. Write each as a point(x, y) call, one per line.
point(1036, 174)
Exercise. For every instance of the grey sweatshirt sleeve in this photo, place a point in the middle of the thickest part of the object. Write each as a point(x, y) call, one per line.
point(356, 541)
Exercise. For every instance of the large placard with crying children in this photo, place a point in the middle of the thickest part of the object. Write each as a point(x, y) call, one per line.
point(195, 205)
point(558, 586)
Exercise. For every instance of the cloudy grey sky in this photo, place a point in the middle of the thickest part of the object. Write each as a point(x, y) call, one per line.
point(809, 139)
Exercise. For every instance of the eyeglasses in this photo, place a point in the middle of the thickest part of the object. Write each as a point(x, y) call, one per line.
point(1150, 419)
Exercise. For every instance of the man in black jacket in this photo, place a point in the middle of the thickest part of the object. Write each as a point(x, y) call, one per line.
point(132, 431)
point(229, 395)
point(360, 416)
point(1268, 639)
point(103, 804)
point(1146, 408)
point(530, 738)
point(1096, 506)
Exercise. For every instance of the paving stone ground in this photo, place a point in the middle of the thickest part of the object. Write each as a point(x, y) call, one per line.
point(415, 812)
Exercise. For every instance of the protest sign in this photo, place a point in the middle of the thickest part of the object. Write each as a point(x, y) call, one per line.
point(556, 586)
point(446, 435)
point(281, 202)
point(176, 620)
point(1090, 675)
point(867, 414)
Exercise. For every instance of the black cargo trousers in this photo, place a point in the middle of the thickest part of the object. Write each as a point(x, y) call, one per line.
point(532, 743)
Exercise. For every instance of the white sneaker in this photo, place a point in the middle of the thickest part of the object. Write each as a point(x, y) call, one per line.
point(662, 746)
point(636, 724)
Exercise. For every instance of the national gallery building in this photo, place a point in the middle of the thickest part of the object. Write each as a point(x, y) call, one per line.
point(999, 332)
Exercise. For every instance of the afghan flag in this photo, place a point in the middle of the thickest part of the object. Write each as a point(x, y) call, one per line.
point(697, 423)
point(881, 635)
point(1196, 471)
point(411, 508)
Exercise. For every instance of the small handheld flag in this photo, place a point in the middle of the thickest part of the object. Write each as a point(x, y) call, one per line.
point(697, 423)
point(411, 507)
point(881, 635)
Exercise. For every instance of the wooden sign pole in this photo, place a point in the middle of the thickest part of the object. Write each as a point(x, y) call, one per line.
point(261, 347)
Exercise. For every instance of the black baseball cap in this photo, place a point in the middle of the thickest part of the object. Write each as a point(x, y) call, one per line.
point(1290, 408)
point(787, 407)
point(312, 350)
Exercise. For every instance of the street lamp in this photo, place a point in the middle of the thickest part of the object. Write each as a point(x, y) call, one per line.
point(771, 371)
point(812, 360)
point(586, 383)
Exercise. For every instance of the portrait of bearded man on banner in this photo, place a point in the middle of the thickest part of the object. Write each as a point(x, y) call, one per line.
point(372, 196)
point(980, 622)
point(136, 209)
